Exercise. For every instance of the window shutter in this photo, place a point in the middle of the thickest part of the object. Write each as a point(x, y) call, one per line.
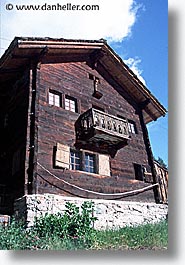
point(62, 156)
point(104, 165)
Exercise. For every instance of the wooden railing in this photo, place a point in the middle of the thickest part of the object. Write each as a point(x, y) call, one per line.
point(162, 178)
point(102, 122)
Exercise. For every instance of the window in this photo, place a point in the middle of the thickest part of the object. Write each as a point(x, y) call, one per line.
point(54, 98)
point(75, 160)
point(61, 100)
point(91, 77)
point(90, 163)
point(139, 172)
point(71, 104)
point(132, 127)
point(81, 160)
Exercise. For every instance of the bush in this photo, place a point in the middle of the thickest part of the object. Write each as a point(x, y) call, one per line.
point(72, 230)
point(73, 224)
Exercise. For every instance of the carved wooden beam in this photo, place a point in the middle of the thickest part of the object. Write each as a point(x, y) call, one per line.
point(95, 56)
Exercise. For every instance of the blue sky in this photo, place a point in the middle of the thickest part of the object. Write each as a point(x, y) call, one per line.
point(136, 29)
point(148, 44)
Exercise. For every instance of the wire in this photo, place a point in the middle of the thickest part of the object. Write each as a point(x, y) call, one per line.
point(58, 186)
point(127, 193)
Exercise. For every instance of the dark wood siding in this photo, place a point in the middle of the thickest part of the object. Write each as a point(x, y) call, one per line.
point(55, 124)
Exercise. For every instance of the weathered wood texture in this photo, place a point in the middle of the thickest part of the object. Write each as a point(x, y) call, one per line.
point(162, 178)
point(32, 129)
point(57, 125)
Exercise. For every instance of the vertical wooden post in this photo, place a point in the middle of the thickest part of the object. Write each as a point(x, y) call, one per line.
point(27, 158)
point(150, 155)
point(30, 182)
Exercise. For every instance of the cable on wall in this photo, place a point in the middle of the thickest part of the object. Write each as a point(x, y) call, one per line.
point(122, 194)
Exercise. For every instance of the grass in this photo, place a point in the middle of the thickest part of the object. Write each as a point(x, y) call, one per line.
point(74, 230)
point(149, 236)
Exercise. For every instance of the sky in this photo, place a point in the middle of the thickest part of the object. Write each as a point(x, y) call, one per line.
point(136, 29)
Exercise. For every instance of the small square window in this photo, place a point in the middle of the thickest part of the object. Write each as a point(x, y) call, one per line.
point(90, 163)
point(71, 104)
point(139, 172)
point(54, 98)
point(91, 77)
point(66, 157)
point(75, 160)
point(132, 127)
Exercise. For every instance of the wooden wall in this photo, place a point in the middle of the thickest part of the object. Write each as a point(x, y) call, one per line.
point(162, 177)
point(55, 124)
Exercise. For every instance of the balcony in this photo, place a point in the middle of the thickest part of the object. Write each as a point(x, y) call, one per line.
point(97, 127)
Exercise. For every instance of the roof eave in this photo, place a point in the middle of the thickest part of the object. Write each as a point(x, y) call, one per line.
point(111, 61)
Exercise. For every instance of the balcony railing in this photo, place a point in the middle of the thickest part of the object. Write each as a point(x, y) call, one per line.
point(95, 125)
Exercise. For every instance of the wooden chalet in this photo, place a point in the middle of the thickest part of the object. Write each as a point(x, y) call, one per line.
point(73, 122)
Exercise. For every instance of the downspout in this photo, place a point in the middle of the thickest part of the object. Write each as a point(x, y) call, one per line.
point(31, 185)
point(31, 171)
point(149, 149)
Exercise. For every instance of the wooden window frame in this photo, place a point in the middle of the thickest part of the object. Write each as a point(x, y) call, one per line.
point(82, 164)
point(132, 127)
point(139, 172)
point(77, 155)
point(71, 100)
point(63, 159)
point(61, 102)
point(88, 158)
point(54, 94)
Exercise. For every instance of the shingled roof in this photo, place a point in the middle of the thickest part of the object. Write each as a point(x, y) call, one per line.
point(23, 50)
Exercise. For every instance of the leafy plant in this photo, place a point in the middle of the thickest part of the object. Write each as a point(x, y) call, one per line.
point(73, 224)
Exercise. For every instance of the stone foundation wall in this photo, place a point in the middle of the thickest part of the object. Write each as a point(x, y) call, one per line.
point(110, 214)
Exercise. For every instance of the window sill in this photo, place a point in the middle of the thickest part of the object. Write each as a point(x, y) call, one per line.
point(88, 173)
point(63, 109)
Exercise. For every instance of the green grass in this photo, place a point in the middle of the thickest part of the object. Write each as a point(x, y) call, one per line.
point(74, 230)
point(150, 236)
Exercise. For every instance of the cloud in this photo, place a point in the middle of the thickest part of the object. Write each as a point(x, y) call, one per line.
point(133, 64)
point(113, 21)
